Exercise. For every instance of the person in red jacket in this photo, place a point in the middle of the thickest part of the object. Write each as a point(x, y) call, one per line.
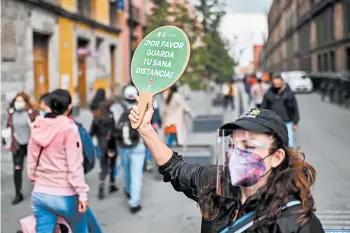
point(20, 115)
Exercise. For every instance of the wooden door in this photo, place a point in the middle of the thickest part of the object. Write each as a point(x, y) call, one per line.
point(82, 81)
point(41, 74)
point(112, 80)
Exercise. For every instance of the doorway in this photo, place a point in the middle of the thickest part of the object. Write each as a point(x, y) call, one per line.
point(41, 61)
point(112, 80)
point(82, 87)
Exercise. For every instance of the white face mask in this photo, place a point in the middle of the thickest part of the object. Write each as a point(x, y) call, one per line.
point(19, 105)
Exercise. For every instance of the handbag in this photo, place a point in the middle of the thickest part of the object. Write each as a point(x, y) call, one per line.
point(170, 129)
point(6, 134)
point(28, 224)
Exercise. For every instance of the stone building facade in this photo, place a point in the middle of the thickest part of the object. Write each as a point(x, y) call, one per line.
point(49, 44)
point(308, 35)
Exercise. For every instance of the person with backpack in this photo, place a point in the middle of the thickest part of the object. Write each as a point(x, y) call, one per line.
point(103, 127)
point(281, 99)
point(130, 148)
point(55, 166)
point(259, 184)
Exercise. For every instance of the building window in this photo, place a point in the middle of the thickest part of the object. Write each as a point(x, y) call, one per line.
point(113, 16)
point(304, 38)
point(325, 26)
point(319, 63)
point(84, 7)
point(332, 60)
point(290, 47)
point(305, 64)
point(346, 14)
point(347, 59)
point(325, 62)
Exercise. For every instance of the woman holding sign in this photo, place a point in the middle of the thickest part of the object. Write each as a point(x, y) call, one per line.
point(259, 184)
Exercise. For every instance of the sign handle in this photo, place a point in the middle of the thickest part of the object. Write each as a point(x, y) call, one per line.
point(143, 100)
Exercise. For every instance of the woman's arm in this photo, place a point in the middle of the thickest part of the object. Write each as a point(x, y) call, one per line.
point(34, 151)
point(186, 178)
point(160, 152)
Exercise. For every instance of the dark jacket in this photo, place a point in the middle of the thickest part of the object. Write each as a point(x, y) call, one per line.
point(192, 178)
point(32, 114)
point(104, 129)
point(283, 103)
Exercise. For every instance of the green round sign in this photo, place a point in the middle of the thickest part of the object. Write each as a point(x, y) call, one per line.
point(160, 59)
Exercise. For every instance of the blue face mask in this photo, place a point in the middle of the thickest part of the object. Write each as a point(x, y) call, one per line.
point(42, 113)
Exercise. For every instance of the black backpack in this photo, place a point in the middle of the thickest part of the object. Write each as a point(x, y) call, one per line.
point(126, 136)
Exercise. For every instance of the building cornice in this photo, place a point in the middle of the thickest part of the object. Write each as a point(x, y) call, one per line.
point(59, 11)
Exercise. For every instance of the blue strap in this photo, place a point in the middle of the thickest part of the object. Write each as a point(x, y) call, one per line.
point(246, 221)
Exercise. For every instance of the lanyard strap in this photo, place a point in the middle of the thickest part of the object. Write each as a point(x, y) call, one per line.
point(247, 220)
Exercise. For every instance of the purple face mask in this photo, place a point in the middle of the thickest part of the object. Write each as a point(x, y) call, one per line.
point(246, 168)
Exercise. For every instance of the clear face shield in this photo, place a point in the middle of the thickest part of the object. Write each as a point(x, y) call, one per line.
point(241, 160)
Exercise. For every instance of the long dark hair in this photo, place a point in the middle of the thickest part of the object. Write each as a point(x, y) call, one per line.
point(59, 102)
point(293, 177)
point(104, 108)
point(173, 89)
point(99, 97)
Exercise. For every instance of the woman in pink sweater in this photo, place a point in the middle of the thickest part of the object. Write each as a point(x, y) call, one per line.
point(54, 165)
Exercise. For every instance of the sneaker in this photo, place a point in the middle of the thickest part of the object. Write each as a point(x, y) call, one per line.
point(113, 188)
point(101, 193)
point(135, 210)
point(18, 199)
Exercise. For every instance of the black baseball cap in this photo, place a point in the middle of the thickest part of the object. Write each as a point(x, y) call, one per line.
point(260, 121)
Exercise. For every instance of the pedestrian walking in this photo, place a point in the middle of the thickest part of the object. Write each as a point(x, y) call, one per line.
point(280, 99)
point(99, 97)
point(258, 185)
point(130, 148)
point(173, 115)
point(258, 91)
point(55, 166)
point(103, 127)
point(228, 91)
point(20, 115)
point(93, 225)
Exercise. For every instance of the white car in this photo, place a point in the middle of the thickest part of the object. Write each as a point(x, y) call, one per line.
point(298, 81)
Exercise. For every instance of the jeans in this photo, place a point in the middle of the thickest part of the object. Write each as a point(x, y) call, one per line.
point(107, 167)
point(132, 160)
point(229, 101)
point(92, 223)
point(171, 139)
point(18, 159)
point(46, 208)
point(148, 155)
point(290, 134)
